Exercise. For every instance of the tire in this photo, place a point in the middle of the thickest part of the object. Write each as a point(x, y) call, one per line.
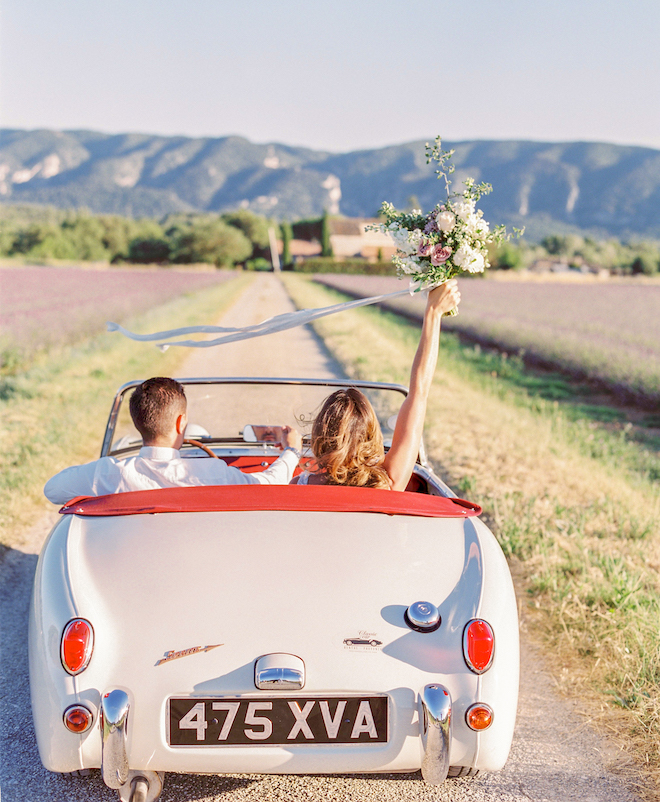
point(462, 771)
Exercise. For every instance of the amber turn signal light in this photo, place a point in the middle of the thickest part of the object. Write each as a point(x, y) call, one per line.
point(479, 717)
point(78, 719)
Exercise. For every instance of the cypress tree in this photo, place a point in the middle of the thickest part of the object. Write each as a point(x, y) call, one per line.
point(326, 247)
point(287, 235)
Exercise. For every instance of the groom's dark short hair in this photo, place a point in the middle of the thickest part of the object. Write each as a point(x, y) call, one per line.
point(155, 405)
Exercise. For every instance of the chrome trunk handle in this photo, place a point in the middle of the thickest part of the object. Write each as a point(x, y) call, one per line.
point(279, 671)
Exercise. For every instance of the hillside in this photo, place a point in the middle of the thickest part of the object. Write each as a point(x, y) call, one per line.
point(608, 190)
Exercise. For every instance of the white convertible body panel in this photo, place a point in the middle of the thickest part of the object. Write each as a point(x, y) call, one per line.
point(249, 584)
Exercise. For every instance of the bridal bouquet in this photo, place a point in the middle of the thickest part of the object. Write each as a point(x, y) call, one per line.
point(450, 239)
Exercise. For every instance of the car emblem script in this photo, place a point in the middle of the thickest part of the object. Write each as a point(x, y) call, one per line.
point(172, 655)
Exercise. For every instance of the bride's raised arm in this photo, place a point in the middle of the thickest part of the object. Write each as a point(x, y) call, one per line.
point(400, 459)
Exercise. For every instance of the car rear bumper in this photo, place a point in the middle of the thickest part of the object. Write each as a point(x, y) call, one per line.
point(435, 732)
point(417, 741)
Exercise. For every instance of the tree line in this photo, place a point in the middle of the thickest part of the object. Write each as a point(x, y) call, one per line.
point(224, 240)
point(640, 257)
point(242, 238)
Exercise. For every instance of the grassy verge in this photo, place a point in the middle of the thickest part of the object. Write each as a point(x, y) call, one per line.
point(576, 508)
point(54, 414)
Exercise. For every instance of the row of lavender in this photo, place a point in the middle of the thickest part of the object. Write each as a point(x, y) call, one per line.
point(607, 331)
point(41, 307)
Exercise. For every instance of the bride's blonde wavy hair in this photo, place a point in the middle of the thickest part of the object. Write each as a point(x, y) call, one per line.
point(347, 441)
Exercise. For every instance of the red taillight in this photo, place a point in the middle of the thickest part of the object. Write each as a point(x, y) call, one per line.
point(478, 645)
point(77, 645)
point(479, 717)
point(78, 719)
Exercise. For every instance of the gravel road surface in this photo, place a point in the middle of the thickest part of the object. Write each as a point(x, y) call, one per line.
point(555, 757)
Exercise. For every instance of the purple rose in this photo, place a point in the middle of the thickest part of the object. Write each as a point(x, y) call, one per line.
point(440, 254)
point(424, 248)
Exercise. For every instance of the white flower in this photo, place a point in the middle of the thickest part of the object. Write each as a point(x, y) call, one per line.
point(482, 229)
point(464, 209)
point(445, 221)
point(476, 226)
point(408, 241)
point(400, 237)
point(415, 237)
point(478, 264)
point(462, 256)
point(471, 224)
point(409, 266)
point(469, 259)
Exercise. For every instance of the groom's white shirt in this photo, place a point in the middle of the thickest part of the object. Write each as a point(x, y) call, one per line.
point(156, 467)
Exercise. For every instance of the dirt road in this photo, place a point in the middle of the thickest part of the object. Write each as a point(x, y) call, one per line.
point(555, 756)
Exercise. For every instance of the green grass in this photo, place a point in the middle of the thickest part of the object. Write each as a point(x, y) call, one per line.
point(574, 503)
point(54, 414)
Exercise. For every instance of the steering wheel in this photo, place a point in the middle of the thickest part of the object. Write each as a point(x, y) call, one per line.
point(197, 444)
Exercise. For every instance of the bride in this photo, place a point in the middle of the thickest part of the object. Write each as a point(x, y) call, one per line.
point(347, 442)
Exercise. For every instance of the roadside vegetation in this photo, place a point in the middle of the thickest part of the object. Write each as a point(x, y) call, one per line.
point(574, 504)
point(606, 331)
point(54, 412)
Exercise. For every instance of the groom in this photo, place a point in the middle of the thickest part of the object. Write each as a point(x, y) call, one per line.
point(158, 408)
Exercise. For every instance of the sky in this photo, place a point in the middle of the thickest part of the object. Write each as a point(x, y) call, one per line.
point(339, 75)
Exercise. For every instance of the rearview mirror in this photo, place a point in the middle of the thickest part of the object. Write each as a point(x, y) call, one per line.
point(262, 433)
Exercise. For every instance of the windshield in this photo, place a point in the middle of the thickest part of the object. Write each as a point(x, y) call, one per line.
point(220, 410)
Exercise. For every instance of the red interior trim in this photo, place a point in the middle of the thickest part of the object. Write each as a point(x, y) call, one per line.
point(250, 464)
point(255, 498)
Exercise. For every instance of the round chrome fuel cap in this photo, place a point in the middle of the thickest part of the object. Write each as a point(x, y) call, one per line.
point(423, 616)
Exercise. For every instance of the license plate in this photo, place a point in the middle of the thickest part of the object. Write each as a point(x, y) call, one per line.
point(282, 720)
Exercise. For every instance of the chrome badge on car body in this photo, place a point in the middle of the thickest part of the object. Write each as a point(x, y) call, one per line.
point(172, 655)
point(363, 640)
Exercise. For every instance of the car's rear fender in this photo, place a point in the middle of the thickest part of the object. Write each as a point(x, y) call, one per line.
point(52, 689)
point(498, 686)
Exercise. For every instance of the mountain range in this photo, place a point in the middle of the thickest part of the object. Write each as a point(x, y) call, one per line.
point(595, 188)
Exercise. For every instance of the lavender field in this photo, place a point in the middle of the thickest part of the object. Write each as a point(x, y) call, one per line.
point(605, 330)
point(45, 306)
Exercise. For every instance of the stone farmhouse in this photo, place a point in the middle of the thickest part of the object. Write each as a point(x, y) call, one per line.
point(349, 239)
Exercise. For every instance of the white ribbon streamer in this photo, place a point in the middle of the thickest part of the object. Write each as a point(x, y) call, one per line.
point(289, 320)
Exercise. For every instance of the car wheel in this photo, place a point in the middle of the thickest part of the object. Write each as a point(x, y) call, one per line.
point(462, 771)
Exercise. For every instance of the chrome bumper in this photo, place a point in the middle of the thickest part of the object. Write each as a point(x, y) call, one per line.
point(434, 724)
point(115, 707)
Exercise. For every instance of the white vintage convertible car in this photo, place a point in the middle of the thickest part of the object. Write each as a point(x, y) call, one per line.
point(270, 629)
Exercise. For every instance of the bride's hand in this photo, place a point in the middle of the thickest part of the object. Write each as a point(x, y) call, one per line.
point(445, 297)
